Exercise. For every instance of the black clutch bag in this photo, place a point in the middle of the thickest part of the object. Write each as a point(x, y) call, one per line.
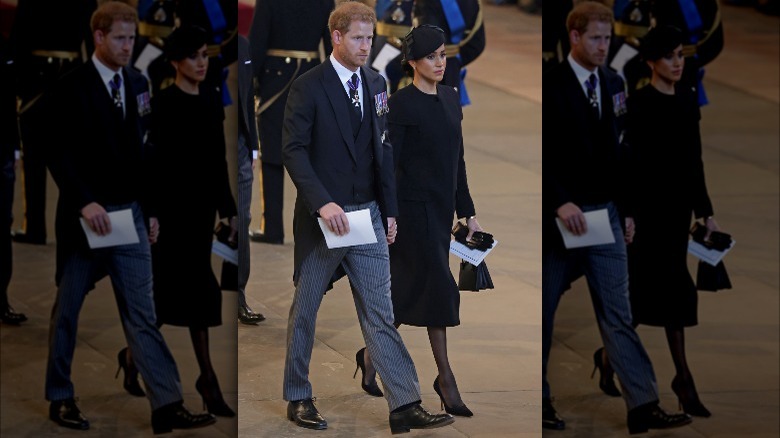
point(474, 278)
point(479, 240)
point(712, 278)
point(718, 241)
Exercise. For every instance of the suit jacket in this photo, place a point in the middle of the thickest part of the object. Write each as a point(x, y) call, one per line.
point(567, 143)
point(89, 158)
point(318, 150)
point(247, 125)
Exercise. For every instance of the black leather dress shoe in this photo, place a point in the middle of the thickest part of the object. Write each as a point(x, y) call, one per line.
point(417, 418)
point(11, 317)
point(305, 414)
point(259, 236)
point(176, 416)
point(550, 418)
point(651, 416)
point(247, 316)
point(67, 414)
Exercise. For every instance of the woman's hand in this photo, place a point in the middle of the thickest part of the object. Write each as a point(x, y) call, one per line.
point(630, 230)
point(392, 230)
point(233, 229)
point(711, 226)
point(473, 226)
point(154, 230)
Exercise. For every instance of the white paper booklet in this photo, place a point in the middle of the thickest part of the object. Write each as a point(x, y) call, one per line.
point(473, 256)
point(705, 254)
point(599, 230)
point(122, 231)
point(361, 230)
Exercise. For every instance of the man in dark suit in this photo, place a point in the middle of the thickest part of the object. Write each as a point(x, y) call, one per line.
point(585, 170)
point(284, 39)
point(247, 155)
point(42, 58)
point(102, 110)
point(336, 150)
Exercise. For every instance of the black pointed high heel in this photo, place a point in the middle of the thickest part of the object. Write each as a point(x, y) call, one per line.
point(212, 400)
point(690, 404)
point(460, 410)
point(372, 388)
point(606, 376)
point(130, 380)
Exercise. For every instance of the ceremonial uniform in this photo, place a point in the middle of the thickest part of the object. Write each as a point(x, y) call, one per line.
point(220, 20)
point(284, 40)
point(394, 21)
point(9, 148)
point(555, 39)
point(462, 23)
point(41, 58)
point(157, 19)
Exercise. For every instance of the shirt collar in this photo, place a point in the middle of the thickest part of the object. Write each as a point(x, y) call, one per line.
point(106, 74)
point(581, 72)
point(344, 73)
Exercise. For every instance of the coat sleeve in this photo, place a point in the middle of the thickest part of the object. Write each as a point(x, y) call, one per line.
point(476, 45)
point(464, 205)
point(702, 205)
point(387, 169)
point(258, 36)
point(299, 118)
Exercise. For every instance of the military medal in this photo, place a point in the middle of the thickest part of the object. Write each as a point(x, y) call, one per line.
point(380, 104)
point(144, 104)
point(398, 15)
point(619, 103)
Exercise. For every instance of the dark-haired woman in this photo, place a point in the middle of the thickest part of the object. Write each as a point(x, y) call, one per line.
point(663, 133)
point(425, 131)
point(193, 186)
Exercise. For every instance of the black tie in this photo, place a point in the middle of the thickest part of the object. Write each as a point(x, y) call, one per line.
point(593, 98)
point(354, 98)
point(116, 95)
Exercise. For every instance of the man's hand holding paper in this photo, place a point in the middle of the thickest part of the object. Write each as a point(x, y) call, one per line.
point(573, 219)
point(594, 228)
point(334, 218)
point(360, 232)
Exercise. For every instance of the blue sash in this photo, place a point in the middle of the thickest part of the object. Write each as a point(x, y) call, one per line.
point(218, 26)
point(457, 26)
point(381, 7)
point(143, 8)
point(694, 24)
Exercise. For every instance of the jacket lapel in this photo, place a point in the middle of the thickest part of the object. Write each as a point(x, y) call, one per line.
point(335, 92)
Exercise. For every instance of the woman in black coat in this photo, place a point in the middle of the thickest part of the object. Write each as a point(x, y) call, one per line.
point(192, 188)
point(425, 131)
point(663, 133)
